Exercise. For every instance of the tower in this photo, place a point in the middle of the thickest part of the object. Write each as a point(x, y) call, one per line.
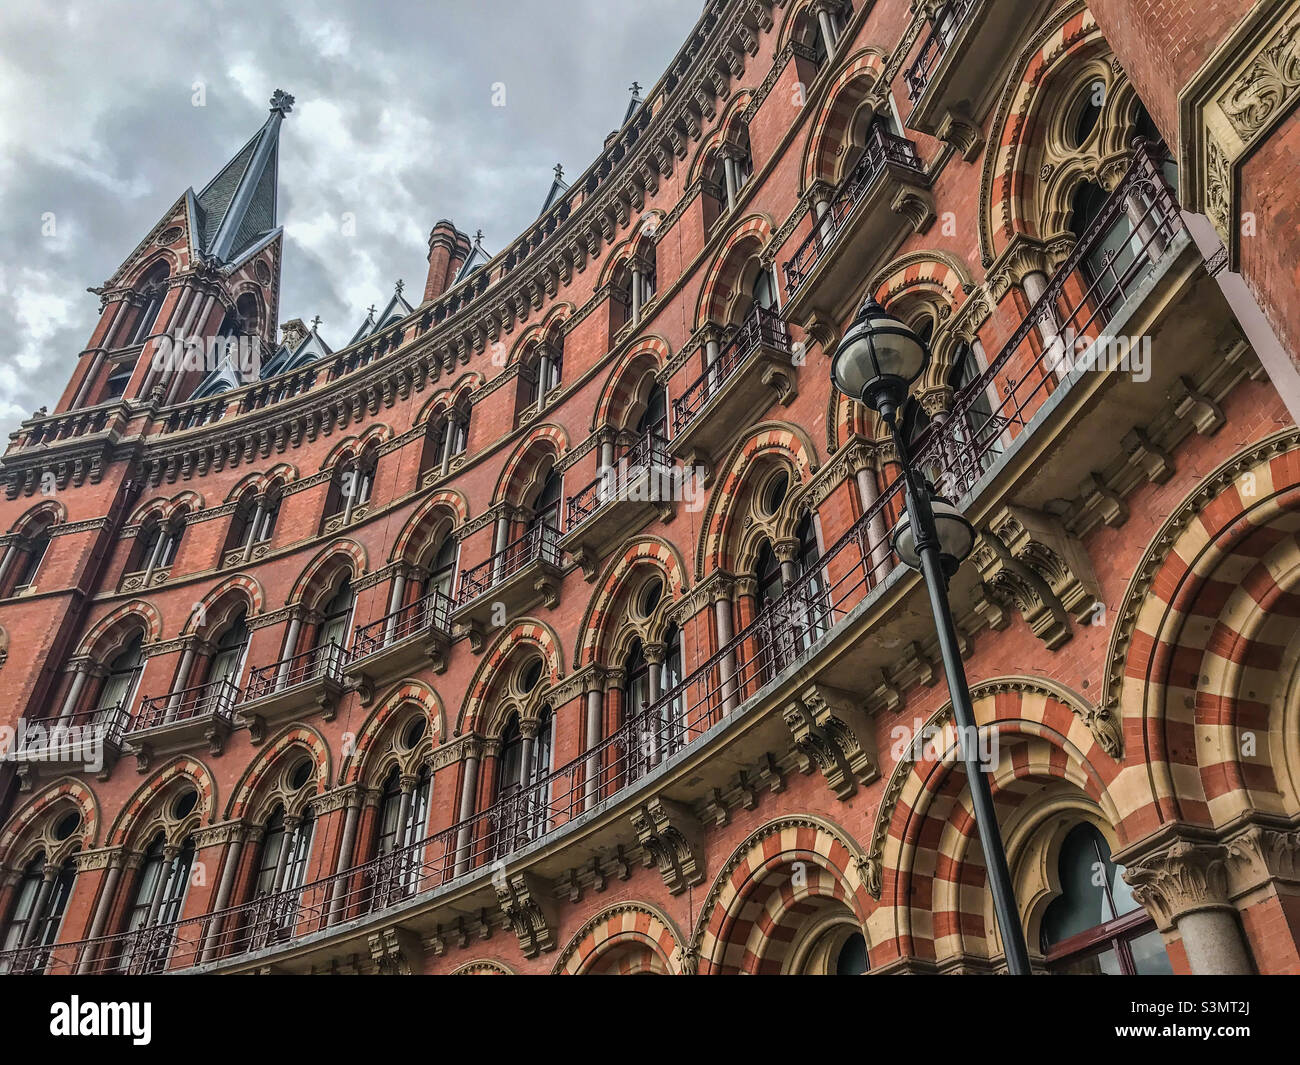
point(208, 270)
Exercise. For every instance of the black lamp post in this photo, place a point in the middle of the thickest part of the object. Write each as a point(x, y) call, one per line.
point(876, 363)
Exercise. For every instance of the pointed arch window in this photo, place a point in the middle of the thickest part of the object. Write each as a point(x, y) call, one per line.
point(1095, 926)
point(335, 616)
point(118, 689)
point(154, 291)
point(281, 871)
point(160, 891)
point(36, 915)
point(442, 570)
point(228, 663)
point(34, 553)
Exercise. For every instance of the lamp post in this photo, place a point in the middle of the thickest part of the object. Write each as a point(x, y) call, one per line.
point(876, 363)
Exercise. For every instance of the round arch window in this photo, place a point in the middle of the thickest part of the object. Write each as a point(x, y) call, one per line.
point(185, 803)
point(651, 595)
point(531, 676)
point(67, 825)
point(413, 733)
point(300, 774)
point(774, 493)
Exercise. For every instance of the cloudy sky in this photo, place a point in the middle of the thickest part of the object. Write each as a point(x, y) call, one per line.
point(394, 124)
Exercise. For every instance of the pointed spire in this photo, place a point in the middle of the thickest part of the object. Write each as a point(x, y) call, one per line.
point(237, 207)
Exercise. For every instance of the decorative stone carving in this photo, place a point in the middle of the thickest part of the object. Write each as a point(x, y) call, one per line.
point(522, 903)
point(1180, 878)
point(396, 951)
point(833, 732)
point(668, 833)
point(1041, 543)
point(1008, 582)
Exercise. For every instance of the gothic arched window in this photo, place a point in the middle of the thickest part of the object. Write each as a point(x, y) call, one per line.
point(1095, 926)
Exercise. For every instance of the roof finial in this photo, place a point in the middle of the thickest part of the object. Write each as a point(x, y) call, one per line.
point(478, 237)
point(399, 286)
point(559, 172)
point(370, 311)
point(315, 322)
point(281, 101)
point(634, 90)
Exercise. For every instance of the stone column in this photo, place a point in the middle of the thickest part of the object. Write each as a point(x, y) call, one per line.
point(636, 296)
point(290, 646)
point(468, 789)
point(351, 818)
point(500, 540)
point(80, 672)
point(595, 721)
point(827, 29)
point(107, 895)
point(729, 172)
point(448, 441)
point(396, 597)
point(727, 668)
point(49, 874)
point(234, 850)
point(182, 676)
point(1183, 884)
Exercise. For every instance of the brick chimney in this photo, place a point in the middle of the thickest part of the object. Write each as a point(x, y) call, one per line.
point(448, 250)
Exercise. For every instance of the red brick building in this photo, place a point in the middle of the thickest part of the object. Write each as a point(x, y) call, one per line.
point(552, 624)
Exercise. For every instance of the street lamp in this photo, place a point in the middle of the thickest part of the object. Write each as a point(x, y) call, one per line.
point(876, 363)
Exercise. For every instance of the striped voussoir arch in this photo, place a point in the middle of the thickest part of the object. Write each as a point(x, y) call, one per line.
point(1015, 177)
point(924, 861)
point(444, 505)
point(648, 356)
point(716, 548)
point(339, 553)
point(137, 610)
point(483, 967)
point(645, 552)
point(626, 939)
point(247, 587)
point(529, 632)
point(405, 694)
point(1199, 651)
point(542, 443)
point(59, 793)
point(932, 275)
point(769, 885)
point(181, 768)
point(268, 763)
point(744, 242)
point(830, 131)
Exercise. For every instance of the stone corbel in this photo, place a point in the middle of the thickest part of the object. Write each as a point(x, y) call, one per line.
point(1009, 582)
point(523, 904)
point(833, 732)
point(1039, 542)
point(396, 951)
point(916, 205)
point(669, 835)
point(962, 132)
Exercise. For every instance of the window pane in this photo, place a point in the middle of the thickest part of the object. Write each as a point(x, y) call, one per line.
point(1082, 903)
point(1105, 963)
point(1149, 957)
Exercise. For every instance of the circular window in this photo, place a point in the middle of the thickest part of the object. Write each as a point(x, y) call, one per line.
point(185, 802)
point(170, 236)
point(413, 733)
point(531, 675)
point(774, 493)
point(67, 825)
point(650, 597)
point(300, 774)
point(263, 272)
point(1086, 113)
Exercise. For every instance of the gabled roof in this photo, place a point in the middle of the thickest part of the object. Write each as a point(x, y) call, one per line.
point(633, 103)
point(310, 348)
point(558, 188)
point(237, 208)
point(476, 258)
point(396, 308)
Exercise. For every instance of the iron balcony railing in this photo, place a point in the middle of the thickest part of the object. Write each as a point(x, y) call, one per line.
point(429, 612)
point(318, 663)
point(51, 733)
point(1123, 247)
point(944, 24)
point(538, 544)
point(649, 452)
point(762, 326)
point(212, 699)
point(882, 148)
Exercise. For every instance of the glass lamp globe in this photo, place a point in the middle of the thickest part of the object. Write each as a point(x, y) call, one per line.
point(956, 537)
point(878, 358)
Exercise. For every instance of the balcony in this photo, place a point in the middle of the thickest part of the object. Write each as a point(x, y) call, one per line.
point(884, 196)
point(620, 501)
point(754, 366)
point(948, 83)
point(512, 581)
point(824, 631)
point(88, 741)
point(203, 715)
point(284, 689)
point(408, 639)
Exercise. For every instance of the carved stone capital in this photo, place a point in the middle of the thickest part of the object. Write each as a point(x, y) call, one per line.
point(526, 909)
